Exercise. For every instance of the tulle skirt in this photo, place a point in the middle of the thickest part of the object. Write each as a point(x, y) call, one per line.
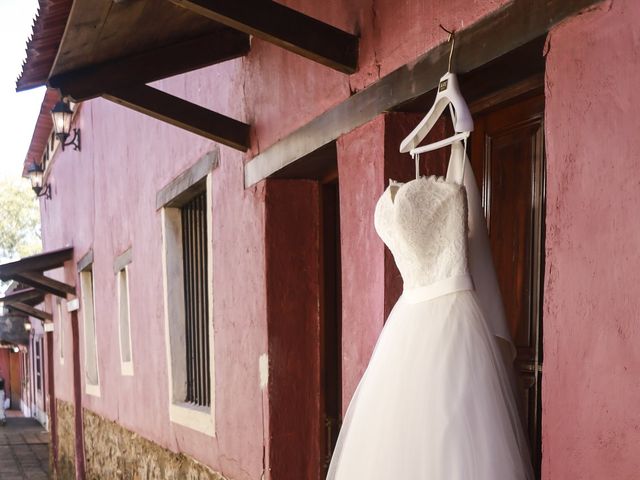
point(435, 403)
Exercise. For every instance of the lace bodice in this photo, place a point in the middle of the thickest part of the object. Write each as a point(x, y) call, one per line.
point(424, 224)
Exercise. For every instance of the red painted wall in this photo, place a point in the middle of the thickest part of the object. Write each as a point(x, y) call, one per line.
point(361, 170)
point(5, 370)
point(591, 389)
point(292, 239)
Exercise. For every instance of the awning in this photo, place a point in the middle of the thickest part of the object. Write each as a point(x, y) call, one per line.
point(42, 46)
point(28, 273)
point(115, 49)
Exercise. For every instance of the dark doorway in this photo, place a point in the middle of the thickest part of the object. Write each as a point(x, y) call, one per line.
point(304, 308)
point(331, 319)
point(507, 153)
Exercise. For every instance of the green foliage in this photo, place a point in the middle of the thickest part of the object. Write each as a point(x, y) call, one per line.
point(19, 220)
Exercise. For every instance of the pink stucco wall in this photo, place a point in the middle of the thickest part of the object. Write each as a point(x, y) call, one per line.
point(104, 199)
point(591, 389)
point(361, 170)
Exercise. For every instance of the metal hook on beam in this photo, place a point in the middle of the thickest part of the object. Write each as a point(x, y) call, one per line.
point(452, 39)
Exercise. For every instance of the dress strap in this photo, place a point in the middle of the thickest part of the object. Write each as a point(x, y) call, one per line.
point(457, 162)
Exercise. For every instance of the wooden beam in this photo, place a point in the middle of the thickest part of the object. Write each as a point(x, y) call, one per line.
point(28, 295)
point(285, 27)
point(29, 310)
point(39, 262)
point(39, 281)
point(506, 29)
point(86, 83)
point(183, 114)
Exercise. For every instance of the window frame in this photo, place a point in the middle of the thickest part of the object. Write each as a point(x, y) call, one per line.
point(37, 354)
point(60, 331)
point(121, 268)
point(87, 299)
point(174, 195)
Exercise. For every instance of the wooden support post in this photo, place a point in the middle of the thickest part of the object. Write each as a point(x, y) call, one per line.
point(77, 398)
point(183, 114)
point(285, 27)
point(53, 415)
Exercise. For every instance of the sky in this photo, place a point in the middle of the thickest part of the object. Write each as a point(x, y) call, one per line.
point(20, 110)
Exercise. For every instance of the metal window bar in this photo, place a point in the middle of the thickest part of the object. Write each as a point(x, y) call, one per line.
point(38, 367)
point(194, 246)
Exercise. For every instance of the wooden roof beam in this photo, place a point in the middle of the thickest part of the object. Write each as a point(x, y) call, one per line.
point(285, 27)
point(27, 295)
point(29, 310)
point(183, 114)
point(86, 83)
point(39, 262)
point(46, 284)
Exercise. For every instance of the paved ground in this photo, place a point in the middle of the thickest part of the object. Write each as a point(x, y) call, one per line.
point(24, 450)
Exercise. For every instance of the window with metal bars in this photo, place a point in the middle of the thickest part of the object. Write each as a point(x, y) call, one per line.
point(196, 302)
point(186, 215)
point(38, 364)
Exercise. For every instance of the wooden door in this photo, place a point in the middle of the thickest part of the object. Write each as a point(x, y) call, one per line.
point(14, 365)
point(507, 154)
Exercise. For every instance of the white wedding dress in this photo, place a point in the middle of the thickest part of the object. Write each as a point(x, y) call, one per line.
point(436, 401)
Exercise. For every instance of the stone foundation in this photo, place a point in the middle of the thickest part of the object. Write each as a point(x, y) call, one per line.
point(66, 441)
point(113, 452)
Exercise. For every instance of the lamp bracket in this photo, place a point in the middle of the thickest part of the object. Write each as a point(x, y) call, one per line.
point(44, 191)
point(75, 141)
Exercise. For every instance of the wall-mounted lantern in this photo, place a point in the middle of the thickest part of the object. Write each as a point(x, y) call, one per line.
point(36, 176)
point(27, 326)
point(62, 115)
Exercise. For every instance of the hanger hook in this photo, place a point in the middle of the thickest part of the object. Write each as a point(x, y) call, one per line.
point(452, 39)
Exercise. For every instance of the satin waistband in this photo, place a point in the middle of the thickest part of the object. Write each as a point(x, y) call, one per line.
point(449, 285)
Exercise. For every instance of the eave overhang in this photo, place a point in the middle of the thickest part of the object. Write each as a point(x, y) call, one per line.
point(42, 47)
point(29, 272)
point(41, 132)
point(114, 49)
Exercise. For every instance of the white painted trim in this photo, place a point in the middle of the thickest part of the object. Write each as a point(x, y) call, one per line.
point(60, 334)
point(201, 419)
point(93, 390)
point(88, 308)
point(126, 367)
point(193, 417)
point(212, 350)
point(73, 305)
point(263, 369)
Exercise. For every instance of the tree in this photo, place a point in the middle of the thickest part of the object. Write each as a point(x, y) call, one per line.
point(19, 220)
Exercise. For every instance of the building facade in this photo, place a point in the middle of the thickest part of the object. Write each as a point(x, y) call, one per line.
point(227, 301)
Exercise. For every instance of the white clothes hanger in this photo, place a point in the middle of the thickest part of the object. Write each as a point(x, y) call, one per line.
point(448, 95)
